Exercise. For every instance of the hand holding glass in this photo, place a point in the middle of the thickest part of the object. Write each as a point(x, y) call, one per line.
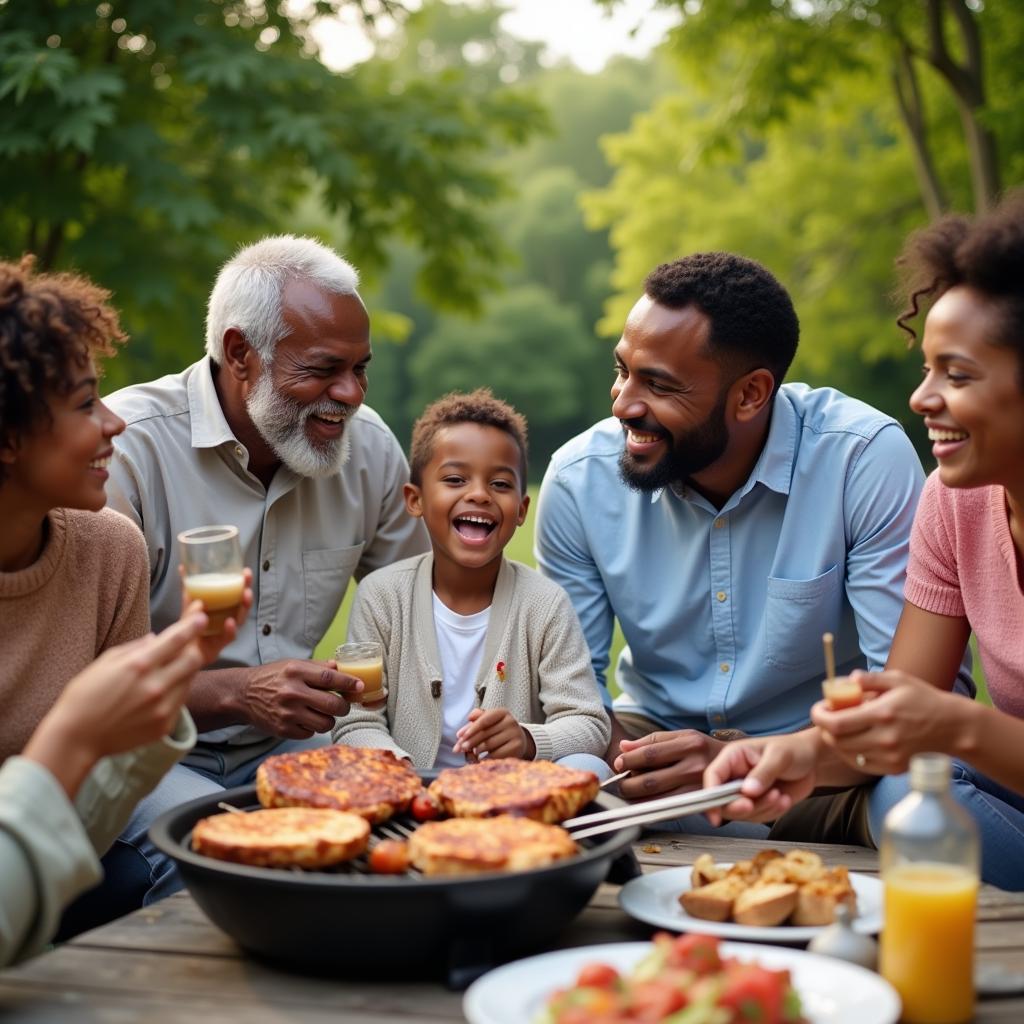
point(212, 561)
point(364, 660)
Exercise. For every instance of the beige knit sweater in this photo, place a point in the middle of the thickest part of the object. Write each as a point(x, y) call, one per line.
point(533, 633)
point(87, 591)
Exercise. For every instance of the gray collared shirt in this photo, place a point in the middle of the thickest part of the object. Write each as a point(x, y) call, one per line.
point(178, 465)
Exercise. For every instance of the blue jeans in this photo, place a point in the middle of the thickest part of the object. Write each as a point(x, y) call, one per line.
point(998, 812)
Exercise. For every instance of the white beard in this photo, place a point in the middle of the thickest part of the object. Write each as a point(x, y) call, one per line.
point(282, 423)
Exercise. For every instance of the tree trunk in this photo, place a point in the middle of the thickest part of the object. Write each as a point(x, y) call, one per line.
point(968, 86)
point(911, 107)
point(51, 248)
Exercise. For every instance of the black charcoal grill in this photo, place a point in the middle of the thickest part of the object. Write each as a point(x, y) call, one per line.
point(349, 921)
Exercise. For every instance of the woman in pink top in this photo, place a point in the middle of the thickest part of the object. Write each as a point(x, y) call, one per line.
point(966, 568)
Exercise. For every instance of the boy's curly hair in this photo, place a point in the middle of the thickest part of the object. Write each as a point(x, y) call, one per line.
point(984, 253)
point(49, 324)
point(478, 406)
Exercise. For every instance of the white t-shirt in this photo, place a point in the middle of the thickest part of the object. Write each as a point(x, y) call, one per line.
point(460, 642)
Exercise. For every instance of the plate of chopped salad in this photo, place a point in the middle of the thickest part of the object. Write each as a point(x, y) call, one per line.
point(681, 979)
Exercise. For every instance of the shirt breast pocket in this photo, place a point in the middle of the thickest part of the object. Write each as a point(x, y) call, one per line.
point(325, 576)
point(796, 614)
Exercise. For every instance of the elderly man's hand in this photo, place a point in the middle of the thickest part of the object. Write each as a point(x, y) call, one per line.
point(296, 699)
point(665, 762)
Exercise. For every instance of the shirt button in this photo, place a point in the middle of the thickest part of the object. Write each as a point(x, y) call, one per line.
point(724, 666)
point(239, 452)
point(266, 630)
point(720, 595)
point(266, 564)
point(719, 523)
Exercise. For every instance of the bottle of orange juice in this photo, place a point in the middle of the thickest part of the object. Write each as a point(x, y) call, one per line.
point(929, 862)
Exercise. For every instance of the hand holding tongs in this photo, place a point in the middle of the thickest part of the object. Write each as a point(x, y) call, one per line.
point(650, 811)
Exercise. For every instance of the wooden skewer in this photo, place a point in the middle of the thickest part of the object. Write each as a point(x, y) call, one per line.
point(227, 807)
point(827, 641)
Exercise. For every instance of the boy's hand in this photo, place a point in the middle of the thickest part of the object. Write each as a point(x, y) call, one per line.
point(494, 732)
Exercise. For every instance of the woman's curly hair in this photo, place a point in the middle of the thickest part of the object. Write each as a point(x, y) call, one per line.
point(49, 324)
point(984, 253)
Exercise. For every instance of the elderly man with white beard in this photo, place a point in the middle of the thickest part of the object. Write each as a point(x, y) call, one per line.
point(267, 432)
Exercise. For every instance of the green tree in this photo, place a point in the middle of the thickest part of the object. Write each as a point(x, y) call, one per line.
point(815, 178)
point(786, 53)
point(539, 221)
point(142, 140)
point(527, 347)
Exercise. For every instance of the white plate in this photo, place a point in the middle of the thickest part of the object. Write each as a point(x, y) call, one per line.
point(654, 898)
point(831, 991)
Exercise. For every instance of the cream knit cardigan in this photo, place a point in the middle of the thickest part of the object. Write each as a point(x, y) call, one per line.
point(535, 663)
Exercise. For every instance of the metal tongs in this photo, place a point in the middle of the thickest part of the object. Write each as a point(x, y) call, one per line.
point(662, 809)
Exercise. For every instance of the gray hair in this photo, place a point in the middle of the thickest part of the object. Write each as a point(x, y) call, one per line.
point(247, 292)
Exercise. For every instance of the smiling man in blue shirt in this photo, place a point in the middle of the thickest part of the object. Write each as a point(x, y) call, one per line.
point(726, 522)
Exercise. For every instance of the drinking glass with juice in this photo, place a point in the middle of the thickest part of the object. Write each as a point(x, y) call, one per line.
point(929, 861)
point(212, 560)
point(842, 692)
point(365, 660)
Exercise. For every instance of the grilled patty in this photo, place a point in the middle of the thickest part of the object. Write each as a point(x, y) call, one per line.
point(369, 782)
point(466, 846)
point(539, 790)
point(282, 837)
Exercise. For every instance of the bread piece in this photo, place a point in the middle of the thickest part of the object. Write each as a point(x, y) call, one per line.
point(539, 790)
point(713, 901)
point(765, 906)
point(282, 837)
point(467, 846)
point(803, 866)
point(705, 870)
point(817, 900)
point(765, 857)
point(744, 870)
point(364, 780)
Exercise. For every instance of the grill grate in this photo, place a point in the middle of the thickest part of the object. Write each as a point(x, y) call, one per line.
point(400, 827)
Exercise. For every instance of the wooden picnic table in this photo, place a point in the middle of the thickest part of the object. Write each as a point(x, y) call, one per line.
point(167, 963)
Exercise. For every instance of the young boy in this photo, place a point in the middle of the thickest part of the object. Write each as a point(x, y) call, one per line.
point(483, 656)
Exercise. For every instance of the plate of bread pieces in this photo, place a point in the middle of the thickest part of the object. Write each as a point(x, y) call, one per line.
point(773, 897)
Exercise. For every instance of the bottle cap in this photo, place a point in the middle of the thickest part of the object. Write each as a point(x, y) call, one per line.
point(930, 773)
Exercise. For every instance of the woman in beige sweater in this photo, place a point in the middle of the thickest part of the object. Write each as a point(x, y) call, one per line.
point(74, 577)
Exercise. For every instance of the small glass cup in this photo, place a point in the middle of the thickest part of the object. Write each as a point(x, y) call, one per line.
point(842, 692)
point(212, 560)
point(365, 660)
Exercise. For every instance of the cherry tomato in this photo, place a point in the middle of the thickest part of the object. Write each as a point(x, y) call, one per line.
point(697, 953)
point(755, 993)
point(597, 976)
point(424, 808)
point(652, 1001)
point(389, 857)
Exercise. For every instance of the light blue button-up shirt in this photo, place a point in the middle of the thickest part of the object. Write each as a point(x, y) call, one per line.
point(723, 610)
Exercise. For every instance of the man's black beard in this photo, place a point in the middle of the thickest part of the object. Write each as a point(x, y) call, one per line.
point(687, 455)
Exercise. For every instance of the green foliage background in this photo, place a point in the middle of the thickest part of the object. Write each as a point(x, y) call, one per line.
point(503, 211)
